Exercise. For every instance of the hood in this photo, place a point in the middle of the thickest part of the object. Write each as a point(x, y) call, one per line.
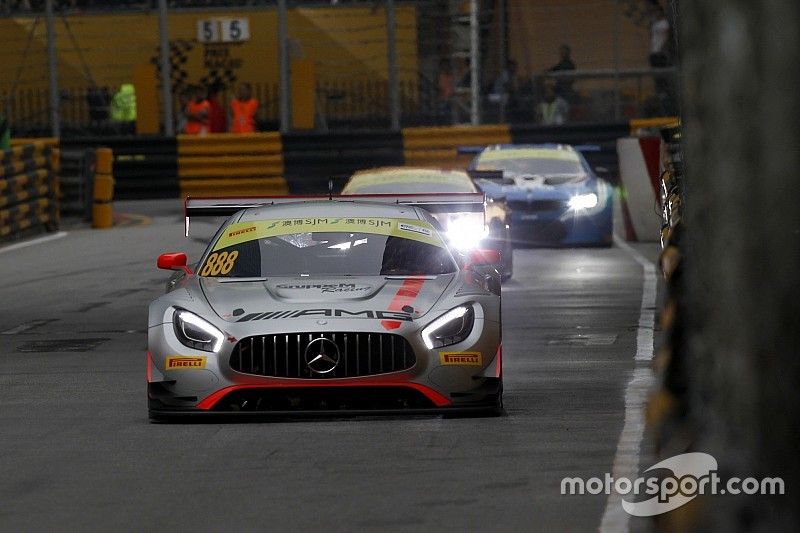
point(347, 297)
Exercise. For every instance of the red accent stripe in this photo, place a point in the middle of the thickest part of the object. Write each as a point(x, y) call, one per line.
point(651, 151)
point(436, 398)
point(405, 295)
point(149, 368)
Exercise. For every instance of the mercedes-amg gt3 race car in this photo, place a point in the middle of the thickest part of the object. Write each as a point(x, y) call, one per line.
point(327, 305)
point(556, 199)
point(464, 231)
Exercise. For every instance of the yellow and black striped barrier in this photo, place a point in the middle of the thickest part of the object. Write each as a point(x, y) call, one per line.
point(28, 189)
point(103, 189)
point(268, 163)
point(438, 146)
point(225, 164)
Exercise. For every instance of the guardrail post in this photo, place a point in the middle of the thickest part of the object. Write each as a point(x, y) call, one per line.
point(52, 70)
point(166, 69)
point(391, 51)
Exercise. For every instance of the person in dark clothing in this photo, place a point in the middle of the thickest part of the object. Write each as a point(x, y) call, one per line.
point(563, 86)
point(216, 113)
point(98, 100)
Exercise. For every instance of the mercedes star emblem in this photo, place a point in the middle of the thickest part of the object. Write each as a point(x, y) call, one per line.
point(322, 355)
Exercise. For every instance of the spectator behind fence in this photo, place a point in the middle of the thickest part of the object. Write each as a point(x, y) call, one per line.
point(445, 87)
point(243, 110)
point(123, 108)
point(661, 55)
point(553, 109)
point(217, 120)
point(98, 99)
point(563, 86)
point(197, 112)
point(181, 121)
point(659, 38)
point(505, 85)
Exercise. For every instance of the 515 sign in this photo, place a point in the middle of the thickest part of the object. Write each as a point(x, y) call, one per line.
point(223, 30)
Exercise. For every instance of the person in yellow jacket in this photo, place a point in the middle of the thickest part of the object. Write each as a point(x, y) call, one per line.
point(123, 104)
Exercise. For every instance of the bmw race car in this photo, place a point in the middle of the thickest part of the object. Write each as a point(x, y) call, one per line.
point(327, 305)
point(465, 231)
point(554, 195)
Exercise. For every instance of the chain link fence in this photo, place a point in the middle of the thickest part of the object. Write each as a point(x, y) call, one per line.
point(591, 57)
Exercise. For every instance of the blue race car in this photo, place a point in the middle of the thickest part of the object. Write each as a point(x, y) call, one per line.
point(555, 197)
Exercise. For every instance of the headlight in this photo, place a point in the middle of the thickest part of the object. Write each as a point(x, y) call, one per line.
point(583, 201)
point(466, 233)
point(452, 327)
point(195, 332)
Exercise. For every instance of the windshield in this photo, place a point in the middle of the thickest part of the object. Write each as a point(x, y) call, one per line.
point(531, 161)
point(410, 181)
point(358, 247)
point(533, 166)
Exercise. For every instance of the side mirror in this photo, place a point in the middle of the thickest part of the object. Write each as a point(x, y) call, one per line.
point(173, 261)
point(482, 258)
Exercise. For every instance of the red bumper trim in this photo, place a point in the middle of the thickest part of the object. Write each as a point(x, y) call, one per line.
point(436, 398)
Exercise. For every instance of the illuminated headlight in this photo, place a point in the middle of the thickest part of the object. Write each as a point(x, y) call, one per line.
point(466, 235)
point(452, 327)
point(195, 332)
point(583, 201)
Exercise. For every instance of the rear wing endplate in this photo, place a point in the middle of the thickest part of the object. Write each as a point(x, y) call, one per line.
point(434, 203)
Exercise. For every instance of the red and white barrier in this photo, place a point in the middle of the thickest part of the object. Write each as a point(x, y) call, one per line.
point(639, 173)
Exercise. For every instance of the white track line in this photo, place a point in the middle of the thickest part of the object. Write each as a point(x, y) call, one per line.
point(644, 336)
point(32, 242)
point(626, 458)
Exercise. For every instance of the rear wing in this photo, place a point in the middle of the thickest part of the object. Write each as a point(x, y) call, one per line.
point(477, 149)
point(434, 203)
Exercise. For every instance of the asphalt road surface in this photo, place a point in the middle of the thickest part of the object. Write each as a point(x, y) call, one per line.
point(77, 451)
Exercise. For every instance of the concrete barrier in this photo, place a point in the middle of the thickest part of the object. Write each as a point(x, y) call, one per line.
point(639, 176)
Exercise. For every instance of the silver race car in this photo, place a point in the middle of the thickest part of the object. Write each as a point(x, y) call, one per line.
point(331, 304)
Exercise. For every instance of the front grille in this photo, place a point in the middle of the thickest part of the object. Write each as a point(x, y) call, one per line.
point(537, 205)
point(539, 231)
point(360, 354)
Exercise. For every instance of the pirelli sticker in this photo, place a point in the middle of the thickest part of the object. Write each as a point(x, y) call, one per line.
point(182, 362)
point(461, 358)
point(241, 232)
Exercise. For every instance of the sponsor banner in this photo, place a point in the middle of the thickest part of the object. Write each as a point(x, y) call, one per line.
point(461, 358)
point(240, 232)
point(182, 362)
